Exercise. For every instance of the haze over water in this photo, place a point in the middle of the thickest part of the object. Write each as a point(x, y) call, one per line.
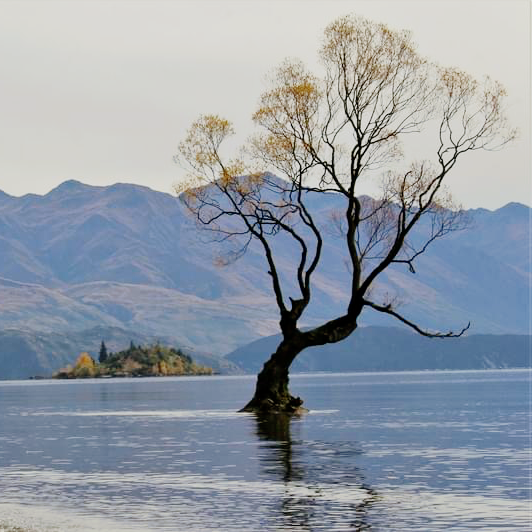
point(390, 451)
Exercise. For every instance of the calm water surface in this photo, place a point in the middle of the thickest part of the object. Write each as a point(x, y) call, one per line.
point(424, 451)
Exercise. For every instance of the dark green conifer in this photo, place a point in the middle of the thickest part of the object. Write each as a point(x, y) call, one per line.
point(103, 353)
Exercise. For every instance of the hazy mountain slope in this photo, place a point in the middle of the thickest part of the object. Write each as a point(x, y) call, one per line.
point(503, 234)
point(394, 349)
point(25, 353)
point(130, 257)
point(456, 284)
point(206, 324)
point(209, 325)
point(36, 307)
point(78, 233)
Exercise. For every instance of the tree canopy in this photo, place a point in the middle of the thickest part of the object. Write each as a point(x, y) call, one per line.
point(327, 133)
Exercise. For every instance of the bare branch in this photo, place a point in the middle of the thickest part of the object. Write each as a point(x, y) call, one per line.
point(388, 310)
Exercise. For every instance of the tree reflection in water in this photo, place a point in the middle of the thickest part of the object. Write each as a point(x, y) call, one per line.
point(318, 478)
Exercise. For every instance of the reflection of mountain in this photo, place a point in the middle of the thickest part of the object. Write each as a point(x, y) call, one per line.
point(129, 257)
point(321, 480)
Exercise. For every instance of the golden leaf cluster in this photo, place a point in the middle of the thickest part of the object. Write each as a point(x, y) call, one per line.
point(84, 360)
point(288, 108)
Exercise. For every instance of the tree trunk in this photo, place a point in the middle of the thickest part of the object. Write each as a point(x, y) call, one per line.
point(271, 391)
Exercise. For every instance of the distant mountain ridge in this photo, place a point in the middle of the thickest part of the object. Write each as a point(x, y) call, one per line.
point(394, 349)
point(126, 256)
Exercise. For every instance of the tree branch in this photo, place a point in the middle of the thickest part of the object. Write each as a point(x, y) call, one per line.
point(388, 310)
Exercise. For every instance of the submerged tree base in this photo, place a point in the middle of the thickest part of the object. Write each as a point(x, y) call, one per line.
point(267, 405)
point(272, 395)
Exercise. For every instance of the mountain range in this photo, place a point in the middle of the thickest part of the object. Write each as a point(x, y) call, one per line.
point(393, 349)
point(130, 258)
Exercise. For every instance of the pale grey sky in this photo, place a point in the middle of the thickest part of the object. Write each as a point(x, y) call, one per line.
point(102, 91)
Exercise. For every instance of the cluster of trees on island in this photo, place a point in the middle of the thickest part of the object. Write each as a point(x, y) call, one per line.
point(135, 361)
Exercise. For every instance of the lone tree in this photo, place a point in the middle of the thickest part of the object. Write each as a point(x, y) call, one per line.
point(324, 135)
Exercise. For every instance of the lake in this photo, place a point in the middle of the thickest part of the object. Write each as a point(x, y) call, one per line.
point(425, 451)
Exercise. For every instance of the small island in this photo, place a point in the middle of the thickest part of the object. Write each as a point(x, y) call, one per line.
point(136, 361)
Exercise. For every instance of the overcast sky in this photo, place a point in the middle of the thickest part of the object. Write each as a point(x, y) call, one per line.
point(102, 91)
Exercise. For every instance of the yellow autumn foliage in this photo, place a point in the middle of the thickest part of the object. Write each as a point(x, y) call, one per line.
point(84, 366)
point(84, 361)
